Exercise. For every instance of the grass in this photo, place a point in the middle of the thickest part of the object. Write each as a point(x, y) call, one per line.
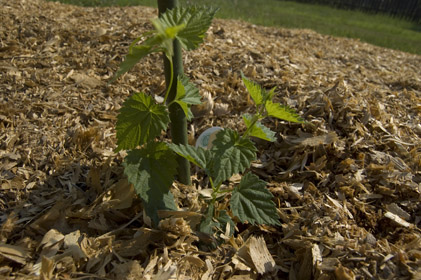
point(377, 29)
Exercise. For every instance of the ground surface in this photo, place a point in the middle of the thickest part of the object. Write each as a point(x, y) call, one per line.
point(346, 184)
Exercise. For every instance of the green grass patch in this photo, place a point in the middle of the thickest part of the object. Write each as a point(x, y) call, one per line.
point(377, 29)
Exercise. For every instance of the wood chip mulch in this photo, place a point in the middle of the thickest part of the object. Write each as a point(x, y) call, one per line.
point(347, 183)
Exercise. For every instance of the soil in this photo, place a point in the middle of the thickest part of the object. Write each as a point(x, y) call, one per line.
point(346, 183)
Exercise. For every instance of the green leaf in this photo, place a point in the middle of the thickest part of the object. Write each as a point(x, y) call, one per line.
point(187, 94)
point(259, 130)
point(151, 171)
point(208, 223)
point(196, 20)
point(140, 121)
point(282, 112)
point(198, 156)
point(252, 202)
point(270, 94)
point(154, 43)
point(188, 25)
point(165, 35)
point(136, 53)
point(158, 201)
point(165, 30)
point(255, 90)
point(225, 219)
point(232, 155)
point(160, 41)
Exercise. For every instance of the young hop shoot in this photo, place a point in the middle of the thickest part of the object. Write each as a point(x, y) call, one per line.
point(232, 153)
point(151, 165)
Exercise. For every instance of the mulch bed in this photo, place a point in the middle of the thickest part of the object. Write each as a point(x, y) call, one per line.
point(347, 183)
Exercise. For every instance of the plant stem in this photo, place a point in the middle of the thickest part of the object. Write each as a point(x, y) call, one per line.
point(253, 122)
point(215, 191)
point(170, 82)
point(177, 116)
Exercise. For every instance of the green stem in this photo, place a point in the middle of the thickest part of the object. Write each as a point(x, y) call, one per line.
point(170, 82)
point(215, 191)
point(212, 185)
point(253, 122)
point(260, 114)
point(225, 191)
point(178, 119)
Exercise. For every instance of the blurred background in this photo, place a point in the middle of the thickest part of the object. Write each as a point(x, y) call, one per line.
point(393, 24)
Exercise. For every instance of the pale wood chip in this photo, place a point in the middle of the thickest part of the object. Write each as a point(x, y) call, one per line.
point(397, 219)
point(15, 253)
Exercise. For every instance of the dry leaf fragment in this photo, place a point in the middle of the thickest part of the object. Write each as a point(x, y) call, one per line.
point(168, 272)
point(100, 31)
point(177, 226)
point(205, 108)
point(239, 264)
point(329, 264)
point(220, 109)
point(136, 245)
point(47, 268)
point(94, 179)
point(52, 237)
point(255, 254)
point(192, 218)
point(85, 80)
point(395, 209)
point(244, 277)
point(194, 261)
point(397, 219)
point(130, 270)
point(151, 265)
point(317, 255)
point(7, 226)
point(313, 141)
point(295, 190)
point(14, 253)
point(72, 242)
point(50, 244)
point(209, 270)
point(262, 259)
point(344, 273)
point(305, 271)
point(120, 195)
point(53, 218)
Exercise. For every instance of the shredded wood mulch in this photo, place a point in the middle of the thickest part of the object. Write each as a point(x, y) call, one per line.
point(347, 183)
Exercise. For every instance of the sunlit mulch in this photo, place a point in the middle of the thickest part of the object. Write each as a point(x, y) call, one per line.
point(346, 183)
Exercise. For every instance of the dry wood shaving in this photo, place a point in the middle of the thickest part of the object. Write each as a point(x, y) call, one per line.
point(347, 183)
